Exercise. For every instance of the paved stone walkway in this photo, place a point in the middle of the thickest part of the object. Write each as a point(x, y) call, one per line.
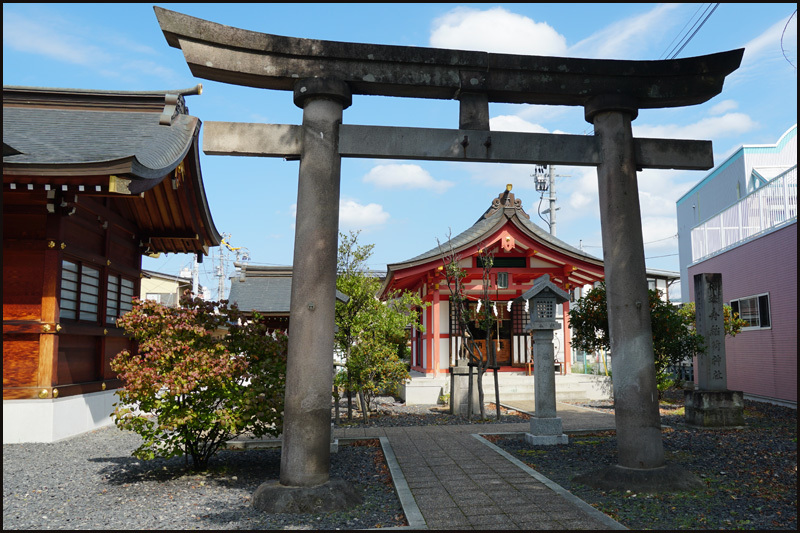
point(449, 478)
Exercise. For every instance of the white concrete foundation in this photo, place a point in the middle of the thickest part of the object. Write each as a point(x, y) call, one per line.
point(52, 420)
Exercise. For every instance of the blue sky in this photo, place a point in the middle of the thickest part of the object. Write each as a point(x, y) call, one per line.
point(402, 207)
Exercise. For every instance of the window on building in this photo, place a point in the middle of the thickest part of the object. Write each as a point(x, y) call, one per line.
point(502, 280)
point(754, 310)
point(119, 297)
point(504, 262)
point(165, 298)
point(80, 291)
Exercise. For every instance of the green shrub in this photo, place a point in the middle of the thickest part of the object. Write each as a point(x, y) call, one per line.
point(202, 375)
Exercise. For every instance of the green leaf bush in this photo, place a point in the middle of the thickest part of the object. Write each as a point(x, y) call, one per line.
point(203, 373)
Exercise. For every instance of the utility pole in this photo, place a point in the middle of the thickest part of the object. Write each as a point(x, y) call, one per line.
point(241, 253)
point(552, 202)
point(544, 184)
point(195, 276)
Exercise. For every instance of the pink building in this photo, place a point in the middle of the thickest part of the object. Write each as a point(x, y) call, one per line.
point(752, 242)
point(762, 359)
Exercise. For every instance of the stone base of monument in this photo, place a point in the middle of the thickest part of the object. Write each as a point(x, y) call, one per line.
point(459, 391)
point(546, 432)
point(335, 495)
point(668, 478)
point(714, 409)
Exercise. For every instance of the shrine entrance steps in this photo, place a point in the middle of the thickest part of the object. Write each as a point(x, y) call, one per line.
point(514, 386)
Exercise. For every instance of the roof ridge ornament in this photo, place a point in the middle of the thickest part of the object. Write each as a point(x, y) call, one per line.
point(508, 203)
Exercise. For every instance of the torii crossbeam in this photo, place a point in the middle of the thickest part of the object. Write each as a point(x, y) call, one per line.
point(324, 75)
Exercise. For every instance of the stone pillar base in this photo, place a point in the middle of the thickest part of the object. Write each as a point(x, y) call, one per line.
point(668, 478)
point(714, 409)
point(459, 391)
point(335, 495)
point(546, 432)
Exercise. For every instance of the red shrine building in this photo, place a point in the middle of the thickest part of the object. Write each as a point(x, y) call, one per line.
point(92, 181)
point(522, 253)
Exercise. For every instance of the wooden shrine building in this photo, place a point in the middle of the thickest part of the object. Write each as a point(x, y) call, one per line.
point(522, 253)
point(92, 180)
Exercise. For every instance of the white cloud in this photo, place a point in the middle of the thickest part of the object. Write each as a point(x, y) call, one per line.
point(723, 107)
point(355, 216)
point(769, 43)
point(582, 190)
point(659, 233)
point(623, 39)
point(405, 176)
point(514, 123)
point(727, 125)
point(37, 37)
point(109, 54)
point(496, 30)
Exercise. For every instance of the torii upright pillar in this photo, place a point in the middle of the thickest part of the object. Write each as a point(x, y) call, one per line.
point(634, 378)
point(305, 484)
point(305, 457)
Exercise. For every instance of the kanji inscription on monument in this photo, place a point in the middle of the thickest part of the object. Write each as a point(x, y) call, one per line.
point(709, 322)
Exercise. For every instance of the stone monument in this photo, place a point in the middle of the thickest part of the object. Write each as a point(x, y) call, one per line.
point(711, 404)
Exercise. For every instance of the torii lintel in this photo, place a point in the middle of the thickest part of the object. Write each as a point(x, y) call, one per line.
point(231, 55)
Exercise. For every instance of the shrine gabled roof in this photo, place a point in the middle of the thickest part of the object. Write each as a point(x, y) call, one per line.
point(505, 214)
point(139, 148)
point(491, 220)
point(139, 135)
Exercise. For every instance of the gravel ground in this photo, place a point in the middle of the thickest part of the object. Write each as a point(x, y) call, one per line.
point(92, 482)
point(750, 474)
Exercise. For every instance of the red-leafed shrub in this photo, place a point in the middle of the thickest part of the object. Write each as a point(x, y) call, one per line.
point(202, 375)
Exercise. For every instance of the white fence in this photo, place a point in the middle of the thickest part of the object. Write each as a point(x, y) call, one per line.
point(767, 207)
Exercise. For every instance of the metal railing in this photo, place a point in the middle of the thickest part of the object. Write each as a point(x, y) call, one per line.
point(771, 205)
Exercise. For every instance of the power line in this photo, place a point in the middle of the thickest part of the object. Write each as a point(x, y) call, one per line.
point(783, 35)
point(680, 32)
point(672, 54)
point(664, 239)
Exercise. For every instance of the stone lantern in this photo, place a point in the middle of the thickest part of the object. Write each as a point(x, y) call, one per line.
point(542, 299)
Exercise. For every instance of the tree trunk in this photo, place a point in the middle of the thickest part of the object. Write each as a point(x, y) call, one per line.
point(364, 406)
point(481, 372)
point(496, 392)
point(336, 397)
point(469, 398)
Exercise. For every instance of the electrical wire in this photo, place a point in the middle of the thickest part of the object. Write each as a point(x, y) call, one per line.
point(674, 55)
point(680, 32)
point(782, 37)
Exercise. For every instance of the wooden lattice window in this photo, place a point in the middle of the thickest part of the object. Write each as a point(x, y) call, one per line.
point(119, 297)
point(519, 318)
point(80, 292)
point(455, 327)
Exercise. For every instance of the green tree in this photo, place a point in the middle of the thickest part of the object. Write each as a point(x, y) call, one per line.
point(202, 375)
point(371, 334)
point(674, 334)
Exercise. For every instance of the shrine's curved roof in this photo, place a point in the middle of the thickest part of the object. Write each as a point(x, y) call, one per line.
point(138, 147)
point(96, 132)
point(491, 220)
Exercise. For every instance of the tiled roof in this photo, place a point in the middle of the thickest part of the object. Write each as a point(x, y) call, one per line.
point(60, 128)
point(485, 226)
point(262, 294)
point(265, 289)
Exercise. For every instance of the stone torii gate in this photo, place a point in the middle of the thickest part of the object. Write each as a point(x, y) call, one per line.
point(324, 75)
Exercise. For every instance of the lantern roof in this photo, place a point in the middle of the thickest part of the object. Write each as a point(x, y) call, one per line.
point(544, 288)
